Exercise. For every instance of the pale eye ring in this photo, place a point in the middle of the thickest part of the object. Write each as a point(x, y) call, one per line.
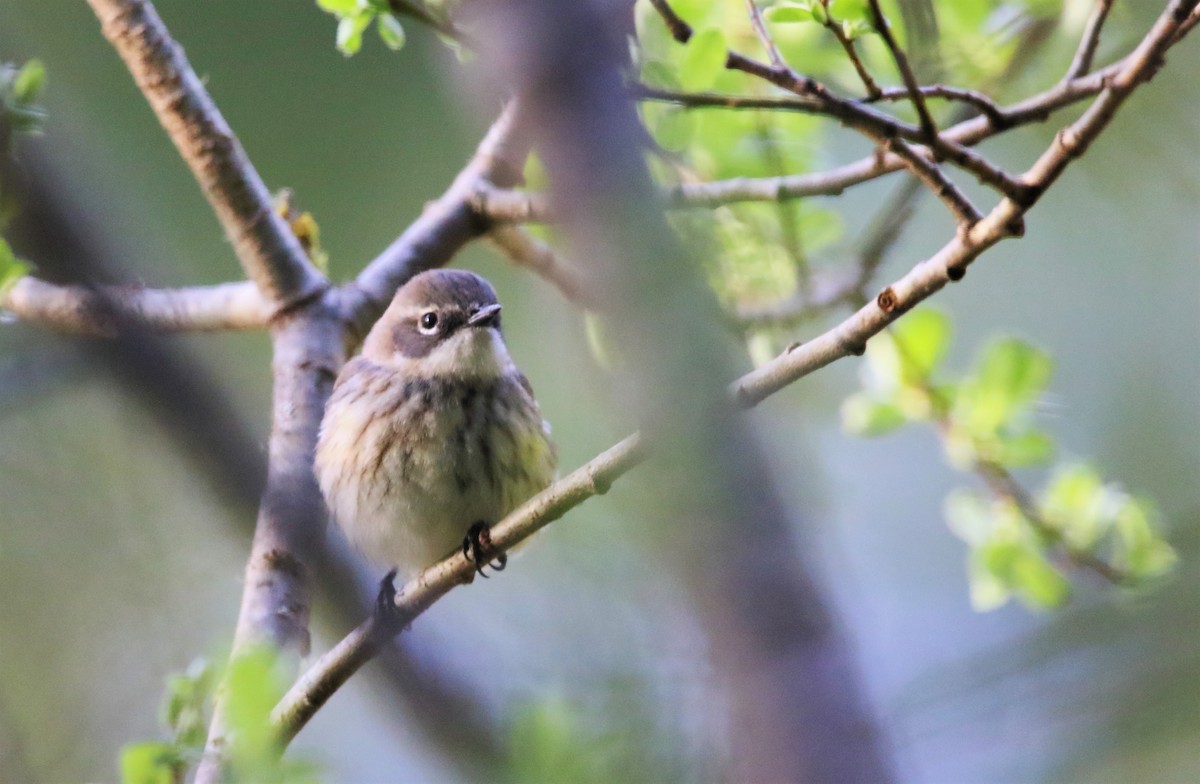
point(428, 323)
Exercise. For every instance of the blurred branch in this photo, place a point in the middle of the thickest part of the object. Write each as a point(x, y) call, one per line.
point(445, 226)
point(1086, 52)
point(417, 10)
point(270, 254)
point(97, 310)
point(842, 286)
point(525, 250)
point(764, 37)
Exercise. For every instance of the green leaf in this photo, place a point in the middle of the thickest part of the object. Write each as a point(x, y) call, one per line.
point(1010, 376)
point(863, 415)
point(12, 269)
point(656, 73)
point(703, 61)
point(1074, 502)
point(1038, 583)
point(1026, 449)
point(855, 10)
point(350, 31)
point(969, 516)
point(340, 7)
point(390, 32)
point(1142, 551)
point(252, 687)
point(148, 762)
point(790, 13)
point(29, 81)
point(599, 340)
point(987, 592)
point(922, 338)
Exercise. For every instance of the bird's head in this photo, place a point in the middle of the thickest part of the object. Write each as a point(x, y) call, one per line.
point(441, 323)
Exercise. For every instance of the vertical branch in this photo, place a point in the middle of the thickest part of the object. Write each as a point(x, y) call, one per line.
point(1085, 54)
point(277, 595)
point(270, 254)
point(791, 691)
point(760, 29)
point(906, 72)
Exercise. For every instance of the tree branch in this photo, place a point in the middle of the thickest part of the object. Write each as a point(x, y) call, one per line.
point(764, 37)
point(102, 310)
point(1086, 52)
point(525, 250)
point(445, 226)
point(269, 253)
point(950, 263)
point(928, 127)
point(964, 212)
point(945, 92)
point(525, 207)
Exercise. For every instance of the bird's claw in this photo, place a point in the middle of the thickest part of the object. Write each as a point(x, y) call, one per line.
point(477, 548)
point(385, 602)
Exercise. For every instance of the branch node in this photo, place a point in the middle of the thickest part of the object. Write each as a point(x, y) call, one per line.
point(887, 300)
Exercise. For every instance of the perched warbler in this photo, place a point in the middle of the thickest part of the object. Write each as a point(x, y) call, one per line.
point(432, 434)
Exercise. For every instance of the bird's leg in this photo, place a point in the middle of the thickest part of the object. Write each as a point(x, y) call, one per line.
point(477, 547)
point(385, 602)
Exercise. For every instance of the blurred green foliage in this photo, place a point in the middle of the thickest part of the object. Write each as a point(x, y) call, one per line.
point(987, 424)
point(252, 684)
point(355, 16)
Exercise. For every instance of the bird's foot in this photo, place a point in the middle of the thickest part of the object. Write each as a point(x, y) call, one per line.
point(477, 547)
point(385, 603)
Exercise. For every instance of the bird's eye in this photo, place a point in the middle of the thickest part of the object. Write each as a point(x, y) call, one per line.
point(428, 323)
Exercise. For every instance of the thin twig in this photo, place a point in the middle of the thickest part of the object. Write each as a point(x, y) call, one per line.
point(945, 92)
point(951, 261)
point(102, 310)
point(965, 213)
point(680, 30)
point(1085, 54)
point(445, 26)
point(764, 37)
point(446, 224)
point(884, 28)
point(269, 253)
point(864, 76)
point(1003, 484)
point(525, 250)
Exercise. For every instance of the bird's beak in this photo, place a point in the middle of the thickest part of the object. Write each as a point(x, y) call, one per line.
point(488, 316)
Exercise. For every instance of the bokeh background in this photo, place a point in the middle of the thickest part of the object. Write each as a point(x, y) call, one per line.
point(121, 557)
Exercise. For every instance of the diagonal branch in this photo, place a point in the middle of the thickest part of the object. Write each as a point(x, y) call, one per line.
point(764, 37)
point(525, 250)
point(884, 28)
point(99, 310)
point(269, 253)
point(445, 226)
point(525, 207)
point(932, 177)
point(1086, 52)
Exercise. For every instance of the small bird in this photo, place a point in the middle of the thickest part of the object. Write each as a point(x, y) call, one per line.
point(432, 434)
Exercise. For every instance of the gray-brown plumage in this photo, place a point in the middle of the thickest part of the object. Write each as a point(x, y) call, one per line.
point(433, 428)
